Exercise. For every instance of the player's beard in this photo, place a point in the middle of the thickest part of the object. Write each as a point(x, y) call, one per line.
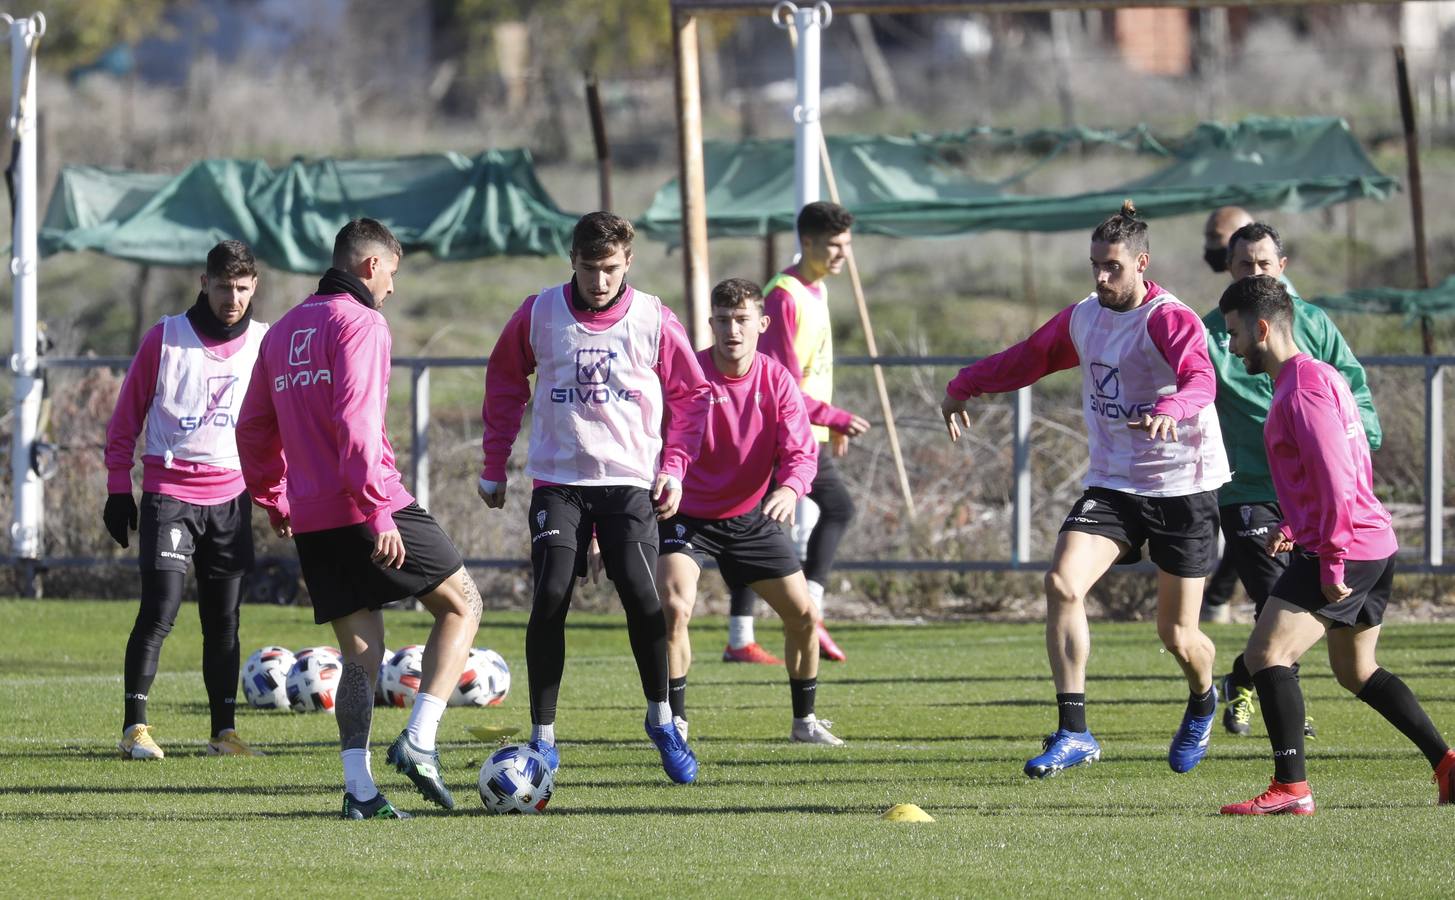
point(1253, 361)
point(1116, 301)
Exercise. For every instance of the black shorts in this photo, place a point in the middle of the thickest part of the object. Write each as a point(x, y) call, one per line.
point(343, 578)
point(1246, 527)
point(173, 532)
point(748, 548)
point(1181, 532)
point(1370, 581)
point(563, 515)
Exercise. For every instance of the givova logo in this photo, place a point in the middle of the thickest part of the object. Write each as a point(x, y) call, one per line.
point(221, 392)
point(300, 347)
point(300, 353)
point(593, 366)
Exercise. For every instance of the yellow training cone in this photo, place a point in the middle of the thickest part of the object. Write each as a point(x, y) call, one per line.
point(492, 732)
point(906, 812)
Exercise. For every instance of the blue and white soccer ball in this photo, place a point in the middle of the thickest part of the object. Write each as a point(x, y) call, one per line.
point(313, 680)
point(516, 779)
point(265, 678)
point(484, 681)
point(402, 674)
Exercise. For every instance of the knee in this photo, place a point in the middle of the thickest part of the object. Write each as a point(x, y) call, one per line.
point(1350, 676)
point(677, 606)
point(1059, 589)
point(1260, 655)
point(1179, 640)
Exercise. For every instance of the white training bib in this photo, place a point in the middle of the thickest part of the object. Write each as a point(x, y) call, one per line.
point(193, 416)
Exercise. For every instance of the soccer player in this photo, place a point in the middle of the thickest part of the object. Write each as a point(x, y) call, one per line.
point(316, 456)
point(800, 337)
point(617, 413)
point(1156, 463)
point(1248, 505)
point(757, 432)
point(184, 387)
point(1338, 580)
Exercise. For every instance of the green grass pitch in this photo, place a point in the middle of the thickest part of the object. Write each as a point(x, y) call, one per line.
point(939, 715)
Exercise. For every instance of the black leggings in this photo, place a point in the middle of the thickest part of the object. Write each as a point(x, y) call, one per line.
point(631, 566)
point(217, 606)
point(835, 512)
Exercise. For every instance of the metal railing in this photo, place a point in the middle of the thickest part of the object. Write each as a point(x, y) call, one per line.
point(1429, 560)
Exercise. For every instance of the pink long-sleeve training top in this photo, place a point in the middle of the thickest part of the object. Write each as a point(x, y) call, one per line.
point(1322, 472)
point(779, 342)
point(508, 386)
point(187, 481)
point(757, 430)
point(312, 436)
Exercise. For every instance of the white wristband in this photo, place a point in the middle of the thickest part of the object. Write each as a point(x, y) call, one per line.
point(490, 487)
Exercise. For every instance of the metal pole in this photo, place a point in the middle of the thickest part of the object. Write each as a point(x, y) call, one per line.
point(598, 136)
point(806, 22)
point(692, 178)
point(1434, 465)
point(1417, 190)
point(27, 524)
point(419, 432)
point(1020, 514)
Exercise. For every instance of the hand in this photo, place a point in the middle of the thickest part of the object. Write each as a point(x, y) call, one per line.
point(1163, 426)
point(857, 426)
point(838, 443)
point(284, 529)
point(1277, 543)
point(1336, 592)
point(594, 563)
point(389, 549)
point(956, 417)
point(492, 492)
point(781, 504)
point(666, 495)
point(120, 517)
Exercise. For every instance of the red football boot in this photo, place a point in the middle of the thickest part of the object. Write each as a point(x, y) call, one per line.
point(1445, 778)
point(1279, 799)
point(826, 646)
point(752, 653)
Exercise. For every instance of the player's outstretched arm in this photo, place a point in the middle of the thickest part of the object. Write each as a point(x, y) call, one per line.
point(956, 418)
point(507, 391)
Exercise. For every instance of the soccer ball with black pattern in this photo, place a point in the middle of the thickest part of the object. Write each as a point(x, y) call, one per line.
point(516, 779)
point(484, 681)
point(402, 674)
point(313, 680)
point(265, 677)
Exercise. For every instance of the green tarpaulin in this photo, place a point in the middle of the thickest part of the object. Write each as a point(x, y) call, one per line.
point(915, 187)
point(454, 207)
point(1437, 301)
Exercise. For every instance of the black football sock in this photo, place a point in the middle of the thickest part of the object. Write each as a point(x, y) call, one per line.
point(1282, 701)
point(677, 696)
point(1071, 712)
point(804, 691)
point(1393, 699)
point(1201, 704)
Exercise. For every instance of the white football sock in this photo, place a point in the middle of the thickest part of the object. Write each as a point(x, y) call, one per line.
point(815, 593)
point(740, 632)
point(546, 734)
point(424, 720)
point(358, 780)
point(659, 713)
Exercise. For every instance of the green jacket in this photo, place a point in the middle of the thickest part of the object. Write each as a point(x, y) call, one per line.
point(1243, 399)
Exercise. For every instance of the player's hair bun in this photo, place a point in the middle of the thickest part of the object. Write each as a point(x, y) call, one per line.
point(1129, 209)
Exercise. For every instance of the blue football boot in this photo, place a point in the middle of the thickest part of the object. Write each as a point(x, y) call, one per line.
point(677, 759)
point(553, 758)
point(1189, 744)
point(1063, 750)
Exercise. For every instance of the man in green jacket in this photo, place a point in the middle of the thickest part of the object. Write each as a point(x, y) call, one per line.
point(1247, 505)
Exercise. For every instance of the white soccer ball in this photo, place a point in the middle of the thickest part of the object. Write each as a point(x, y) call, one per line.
point(265, 678)
point(484, 681)
point(401, 675)
point(313, 680)
point(379, 681)
point(516, 779)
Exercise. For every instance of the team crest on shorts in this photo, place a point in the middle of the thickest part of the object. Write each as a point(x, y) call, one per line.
point(681, 531)
point(1247, 513)
point(541, 519)
point(1086, 507)
point(176, 536)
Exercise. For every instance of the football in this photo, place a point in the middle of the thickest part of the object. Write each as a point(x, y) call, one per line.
point(401, 675)
point(313, 680)
point(516, 779)
point(265, 678)
point(484, 681)
point(379, 679)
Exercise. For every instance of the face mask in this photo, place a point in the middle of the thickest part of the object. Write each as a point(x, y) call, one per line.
point(1216, 258)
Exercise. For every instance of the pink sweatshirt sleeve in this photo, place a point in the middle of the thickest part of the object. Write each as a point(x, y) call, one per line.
point(360, 389)
point(260, 446)
point(1049, 349)
point(684, 388)
point(507, 391)
point(1314, 420)
point(1179, 334)
point(797, 450)
point(779, 343)
point(130, 414)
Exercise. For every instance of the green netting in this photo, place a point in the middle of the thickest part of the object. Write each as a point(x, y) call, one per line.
point(914, 187)
point(452, 206)
point(1437, 301)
